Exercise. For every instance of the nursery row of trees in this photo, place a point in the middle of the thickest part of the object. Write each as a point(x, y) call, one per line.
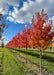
point(38, 36)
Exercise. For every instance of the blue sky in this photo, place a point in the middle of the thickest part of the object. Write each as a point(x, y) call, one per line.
point(19, 12)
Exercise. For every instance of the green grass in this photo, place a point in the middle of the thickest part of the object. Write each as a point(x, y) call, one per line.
point(36, 51)
point(1, 68)
point(48, 65)
point(12, 66)
point(45, 55)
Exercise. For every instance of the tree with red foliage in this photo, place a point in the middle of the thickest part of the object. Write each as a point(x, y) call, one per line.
point(25, 41)
point(41, 33)
point(19, 43)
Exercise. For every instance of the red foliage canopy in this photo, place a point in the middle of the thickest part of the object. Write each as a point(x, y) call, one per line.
point(38, 36)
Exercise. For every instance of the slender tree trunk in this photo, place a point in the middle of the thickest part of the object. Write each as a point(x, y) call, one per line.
point(26, 48)
point(26, 54)
point(40, 62)
point(19, 51)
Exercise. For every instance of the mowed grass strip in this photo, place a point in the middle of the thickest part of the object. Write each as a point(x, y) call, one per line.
point(12, 66)
point(45, 55)
point(36, 51)
point(1, 61)
point(49, 66)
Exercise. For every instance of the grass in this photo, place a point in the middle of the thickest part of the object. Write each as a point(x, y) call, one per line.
point(45, 55)
point(48, 65)
point(1, 66)
point(12, 66)
point(49, 52)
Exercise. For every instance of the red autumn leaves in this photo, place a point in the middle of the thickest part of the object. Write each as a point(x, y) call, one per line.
point(39, 35)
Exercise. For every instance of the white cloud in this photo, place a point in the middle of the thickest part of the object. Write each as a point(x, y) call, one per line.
point(39, 0)
point(29, 8)
point(10, 18)
point(13, 2)
point(27, 11)
point(4, 4)
point(10, 13)
point(52, 18)
point(51, 0)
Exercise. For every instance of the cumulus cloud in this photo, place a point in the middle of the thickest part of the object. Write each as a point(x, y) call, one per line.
point(4, 5)
point(25, 13)
point(10, 19)
point(52, 18)
point(29, 8)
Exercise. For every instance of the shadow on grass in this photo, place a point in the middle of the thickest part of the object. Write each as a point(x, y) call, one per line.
point(48, 58)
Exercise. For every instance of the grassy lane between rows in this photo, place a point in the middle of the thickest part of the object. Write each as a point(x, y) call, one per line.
point(35, 52)
point(49, 66)
point(12, 66)
point(45, 55)
point(51, 54)
point(1, 61)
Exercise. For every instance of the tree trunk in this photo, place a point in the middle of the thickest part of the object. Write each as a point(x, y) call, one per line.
point(26, 54)
point(19, 51)
point(40, 62)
